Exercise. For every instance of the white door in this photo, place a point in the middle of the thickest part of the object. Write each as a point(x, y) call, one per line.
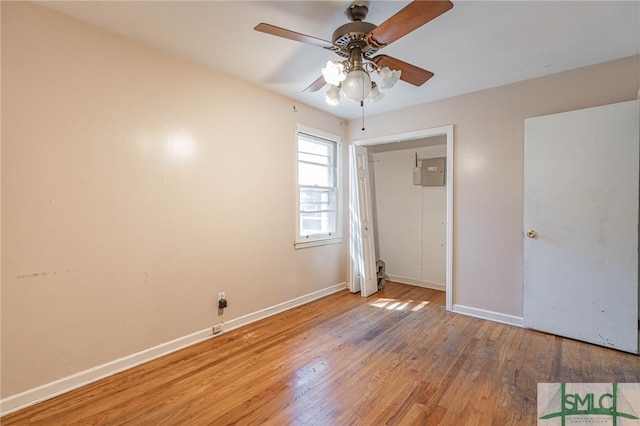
point(362, 233)
point(581, 206)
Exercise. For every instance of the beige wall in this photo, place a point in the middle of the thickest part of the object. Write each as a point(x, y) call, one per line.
point(135, 186)
point(488, 160)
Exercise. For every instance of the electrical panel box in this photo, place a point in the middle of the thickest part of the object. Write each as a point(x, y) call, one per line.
point(432, 172)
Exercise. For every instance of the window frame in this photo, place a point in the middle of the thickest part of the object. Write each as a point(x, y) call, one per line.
point(332, 237)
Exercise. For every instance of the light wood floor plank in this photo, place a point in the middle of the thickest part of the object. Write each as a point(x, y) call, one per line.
point(395, 358)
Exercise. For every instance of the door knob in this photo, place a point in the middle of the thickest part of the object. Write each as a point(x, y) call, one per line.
point(531, 233)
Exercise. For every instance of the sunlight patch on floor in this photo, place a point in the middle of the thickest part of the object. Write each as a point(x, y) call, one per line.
point(420, 306)
point(398, 304)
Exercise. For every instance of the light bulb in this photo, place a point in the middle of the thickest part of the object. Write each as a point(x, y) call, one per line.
point(357, 85)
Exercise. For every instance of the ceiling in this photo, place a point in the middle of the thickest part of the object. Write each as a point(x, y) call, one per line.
point(474, 46)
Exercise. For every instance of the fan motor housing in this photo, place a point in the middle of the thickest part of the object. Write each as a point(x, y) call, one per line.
point(354, 33)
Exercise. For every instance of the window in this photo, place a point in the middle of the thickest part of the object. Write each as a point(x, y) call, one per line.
point(318, 212)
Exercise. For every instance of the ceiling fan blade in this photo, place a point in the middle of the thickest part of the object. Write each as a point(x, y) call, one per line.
point(410, 73)
point(414, 15)
point(292, 35)
point(316, 85)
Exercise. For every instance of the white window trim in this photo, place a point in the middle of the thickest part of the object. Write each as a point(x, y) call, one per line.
point(319, 240)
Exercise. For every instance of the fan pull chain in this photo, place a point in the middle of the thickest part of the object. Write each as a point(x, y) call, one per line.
point(362, 103)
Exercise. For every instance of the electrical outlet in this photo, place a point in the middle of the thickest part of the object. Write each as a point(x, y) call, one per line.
point(222, 301)
point(217, 328)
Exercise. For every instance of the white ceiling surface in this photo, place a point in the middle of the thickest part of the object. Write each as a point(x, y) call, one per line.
point(476, 45)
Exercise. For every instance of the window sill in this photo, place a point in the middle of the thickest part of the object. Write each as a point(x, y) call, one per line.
point(318, 242)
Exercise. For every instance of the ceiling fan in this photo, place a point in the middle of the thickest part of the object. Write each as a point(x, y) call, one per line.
point(358, 42)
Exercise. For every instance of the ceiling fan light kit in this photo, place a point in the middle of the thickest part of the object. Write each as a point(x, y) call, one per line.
point(354, 77)
point(358, 42)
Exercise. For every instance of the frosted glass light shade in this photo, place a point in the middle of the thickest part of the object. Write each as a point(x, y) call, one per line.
point(332, 97)
point(333, 73)
point(357, 85)
point(374, 95)
point(388, 78)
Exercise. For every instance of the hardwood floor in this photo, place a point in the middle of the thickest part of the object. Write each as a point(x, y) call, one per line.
point(396, 358)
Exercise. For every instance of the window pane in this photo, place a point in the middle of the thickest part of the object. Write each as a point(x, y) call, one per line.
point(312, 199)
point(316, 223)
point(315, 151)
point(313, 174)
point(312, 158)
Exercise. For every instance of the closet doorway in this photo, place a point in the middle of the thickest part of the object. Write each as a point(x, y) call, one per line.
point(412, 223)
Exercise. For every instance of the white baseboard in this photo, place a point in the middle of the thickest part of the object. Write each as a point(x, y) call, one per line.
point(66, 384)
point(47, 391)
point(425, 284)
point(489, 315)
point(276, 309)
